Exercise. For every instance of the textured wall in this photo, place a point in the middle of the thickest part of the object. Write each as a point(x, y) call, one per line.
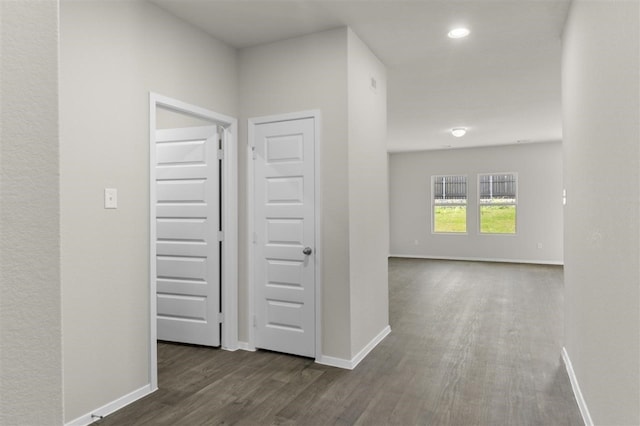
point(30, 318)
point(601, 108)
point(112, 54)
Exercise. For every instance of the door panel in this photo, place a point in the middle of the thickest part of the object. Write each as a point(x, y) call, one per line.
point(284, 222)
point(182, 190)
point(187, 224)
point(284, 190)
point(185, 229)
point(181, 306)
point(186, 268)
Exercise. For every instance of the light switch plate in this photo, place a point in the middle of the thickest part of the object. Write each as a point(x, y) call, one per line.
point(110, 198)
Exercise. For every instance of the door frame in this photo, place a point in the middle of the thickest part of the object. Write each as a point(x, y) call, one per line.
point(251, 124)
point(229, 282)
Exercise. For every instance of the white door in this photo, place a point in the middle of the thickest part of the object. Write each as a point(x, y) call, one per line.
point(187, 228)
point(284, 225)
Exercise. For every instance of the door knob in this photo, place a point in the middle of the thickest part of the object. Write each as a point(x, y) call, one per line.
point(307, 251)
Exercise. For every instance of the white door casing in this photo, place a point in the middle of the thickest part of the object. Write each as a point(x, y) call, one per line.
point(284, 247)
point(229, 275)
point(187, 235)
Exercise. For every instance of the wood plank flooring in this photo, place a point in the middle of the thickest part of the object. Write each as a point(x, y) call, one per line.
point(471, 344)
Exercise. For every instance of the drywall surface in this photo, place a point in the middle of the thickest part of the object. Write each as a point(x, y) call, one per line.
point(368, 194)
point(293, 75)
point(601, 106)
point(539, 211)
point(30, 317)
point(112, 55)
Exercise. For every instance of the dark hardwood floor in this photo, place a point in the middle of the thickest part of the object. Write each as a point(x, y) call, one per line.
point(471, 344)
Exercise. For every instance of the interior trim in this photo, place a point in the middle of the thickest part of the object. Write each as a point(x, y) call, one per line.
point(350, 364)
point(111, 407)
point(481, 259)
point(582, 404)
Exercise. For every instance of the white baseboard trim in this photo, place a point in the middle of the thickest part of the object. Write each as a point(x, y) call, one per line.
point(582, 404)
point(353, 362)
point(335, 362)
point(369, 347)
point(245, 346)
point(111, 407)
point(230, 348)
point(482, 259)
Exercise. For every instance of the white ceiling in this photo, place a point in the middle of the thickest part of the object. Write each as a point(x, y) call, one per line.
point(502, 82)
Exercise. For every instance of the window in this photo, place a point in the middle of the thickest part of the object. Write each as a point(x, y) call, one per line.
point(449, 204)
point(498, 202)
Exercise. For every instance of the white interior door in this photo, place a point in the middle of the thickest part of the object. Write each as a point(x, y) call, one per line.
point(187, 235)
point(284, 225)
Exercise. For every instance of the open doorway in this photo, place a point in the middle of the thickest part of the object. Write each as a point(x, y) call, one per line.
point(193, 226)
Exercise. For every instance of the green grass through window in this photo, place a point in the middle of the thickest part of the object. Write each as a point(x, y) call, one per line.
point(493, 219)
point(450, 219)
point(498, 219)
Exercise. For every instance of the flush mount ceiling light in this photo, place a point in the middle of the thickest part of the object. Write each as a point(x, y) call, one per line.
point(458, 132)
point(459, 32)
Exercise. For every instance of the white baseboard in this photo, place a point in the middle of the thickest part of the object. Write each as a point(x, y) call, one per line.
point(481, 259)
point(582, 404)
point(369, 347)
point(245, 346)
point(111, 407)
point(350, 364)
point(335, 362)
point(326, 360)
point(230, 348)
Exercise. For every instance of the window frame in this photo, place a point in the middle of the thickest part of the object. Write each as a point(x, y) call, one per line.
point(465, 204)
point(514, 203)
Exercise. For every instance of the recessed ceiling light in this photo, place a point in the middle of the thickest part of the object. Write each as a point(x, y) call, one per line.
point(459, 33)
point(458, 132)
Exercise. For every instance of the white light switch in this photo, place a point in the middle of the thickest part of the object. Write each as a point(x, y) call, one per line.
point(110, 198)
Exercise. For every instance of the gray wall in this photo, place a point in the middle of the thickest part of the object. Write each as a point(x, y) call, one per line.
point(112, 55)
point(539, 211)
point(331, 71)
point(295, 75)
point(601, 108)
point(30, 317)
point(368, 194)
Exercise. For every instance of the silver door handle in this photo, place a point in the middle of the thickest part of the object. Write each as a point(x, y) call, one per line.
point(307, 251)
